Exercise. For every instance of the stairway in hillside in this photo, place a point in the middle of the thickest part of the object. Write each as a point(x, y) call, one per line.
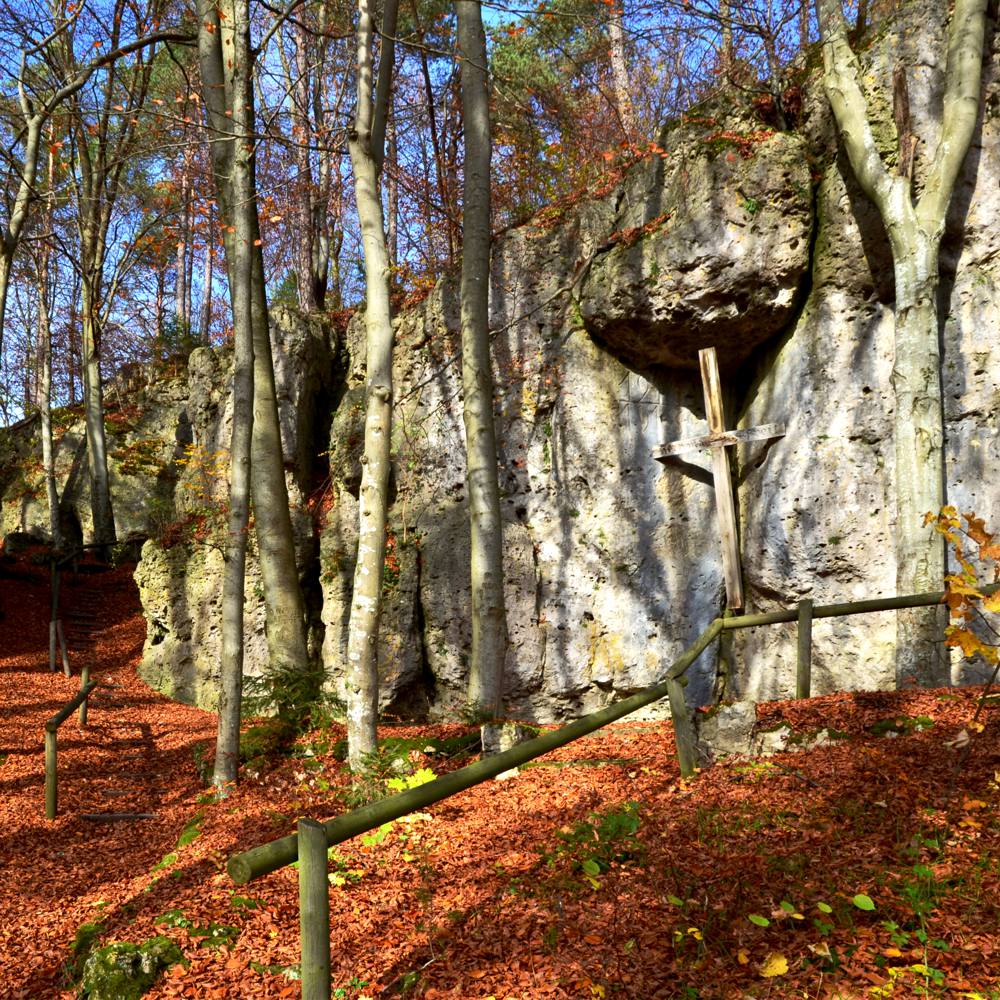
point(82, 616)
point(123, 778)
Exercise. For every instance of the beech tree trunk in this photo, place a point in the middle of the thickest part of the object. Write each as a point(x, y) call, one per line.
point(286, 618)
point(286, 621)
point(915, 228)
point(181, 313)
point(489, 619)
point(93, 409)
point(367, 148)
point(619, 72)
point(226, 60)
point(45, 349)
point(205, 318)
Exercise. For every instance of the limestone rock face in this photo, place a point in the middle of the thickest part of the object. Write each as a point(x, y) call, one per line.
point(819, 513)
point(180, 575)
point(147, 431)
point(181, 592)
point(598, 309)
point(710, 246)
point(593, 530)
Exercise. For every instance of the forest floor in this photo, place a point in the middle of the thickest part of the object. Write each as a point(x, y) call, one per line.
point(867, 867)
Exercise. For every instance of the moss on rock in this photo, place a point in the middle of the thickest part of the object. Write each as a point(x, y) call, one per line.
point(125, 971)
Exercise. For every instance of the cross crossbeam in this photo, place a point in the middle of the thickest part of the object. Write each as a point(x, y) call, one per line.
point(717, 440)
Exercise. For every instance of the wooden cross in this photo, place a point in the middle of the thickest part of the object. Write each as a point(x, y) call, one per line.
point(718, 439)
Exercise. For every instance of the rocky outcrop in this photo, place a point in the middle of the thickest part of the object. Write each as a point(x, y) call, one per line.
point(148, 430)
point(710, 246)
point(180, 572)
point(757, 243)
point(819, 515)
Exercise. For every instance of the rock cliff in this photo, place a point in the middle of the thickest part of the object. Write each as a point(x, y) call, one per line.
point(758, 243)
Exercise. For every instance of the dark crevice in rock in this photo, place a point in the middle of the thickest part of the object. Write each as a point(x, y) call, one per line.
point(324, 405)
point(415, 700)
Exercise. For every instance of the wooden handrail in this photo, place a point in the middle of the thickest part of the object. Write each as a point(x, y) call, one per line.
point(67, 710)
point(269, 857)
point(310, 844)
point(849, 608)
point(51, 743)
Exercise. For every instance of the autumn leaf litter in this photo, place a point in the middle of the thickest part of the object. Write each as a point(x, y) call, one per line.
point(540, 886)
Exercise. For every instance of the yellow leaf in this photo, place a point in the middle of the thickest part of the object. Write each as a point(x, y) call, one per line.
point(892, 953)
point(774, 965)
point(742, 957)
point(976, 727)
point(957, 585)
point(970, 804)
point(962, 638)
point(992, 603)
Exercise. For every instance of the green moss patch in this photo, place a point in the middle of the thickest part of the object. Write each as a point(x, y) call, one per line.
point(125, 971)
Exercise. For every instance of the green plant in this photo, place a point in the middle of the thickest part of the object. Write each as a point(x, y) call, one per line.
point(242, 903)
point(605, 838)
point(292, 972)
point(401, 784)
point(165, 862)
point(215, 935)
point(356, 984)
point(901, 725)
point(172, 918)
point(140, 458)
point(199, 753)
point(87, 935)
point(192, 829)
point(292, 693)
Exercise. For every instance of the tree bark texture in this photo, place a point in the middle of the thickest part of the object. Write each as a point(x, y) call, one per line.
point(619, 73)
point(915, 228)
point(45, 350)
point(489, 618)
point(367, 144)
point(226, 70)
point(286, 618)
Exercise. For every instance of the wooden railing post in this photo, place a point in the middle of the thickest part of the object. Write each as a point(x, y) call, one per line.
point(803, 667)
point(51, 728)
point(62, 644)
point(687, 754)
point(84, 683)
point(314, 910)
point(51, 776)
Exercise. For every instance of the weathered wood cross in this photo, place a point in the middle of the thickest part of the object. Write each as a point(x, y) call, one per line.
point(718, 439)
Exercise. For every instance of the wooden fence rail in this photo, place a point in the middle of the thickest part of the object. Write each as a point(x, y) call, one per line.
point(51, 746)
point(309, 846)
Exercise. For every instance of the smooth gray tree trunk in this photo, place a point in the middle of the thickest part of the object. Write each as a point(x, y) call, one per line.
point(619, 72)
point(367, 145)
point(226, 65)
point(915, 227)
point(489, 618)
point(45, 349)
